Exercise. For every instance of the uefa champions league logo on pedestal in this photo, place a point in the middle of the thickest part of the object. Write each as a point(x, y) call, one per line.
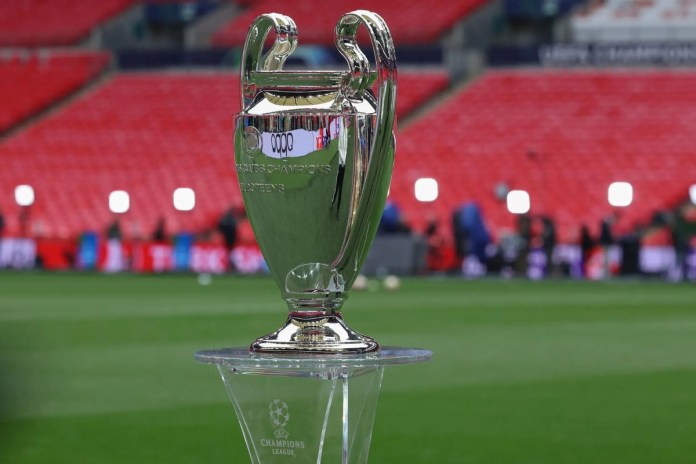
point(280, 417)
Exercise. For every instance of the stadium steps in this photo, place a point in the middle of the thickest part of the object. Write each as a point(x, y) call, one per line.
point(118, 31)
point(201, 32)
point(435, 100)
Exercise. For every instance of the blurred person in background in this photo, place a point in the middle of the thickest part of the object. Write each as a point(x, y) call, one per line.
point(113, 232)
point(470, 232)
point(159, 235)
point(548, 241)
point(587, 244)
point(392, 221)
point(227, 226)
point(459, 234)
point(606, 240)
point(435, 244)
point(524, 239)
point(681, 236)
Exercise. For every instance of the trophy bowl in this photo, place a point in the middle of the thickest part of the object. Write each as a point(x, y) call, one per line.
point(314, 152)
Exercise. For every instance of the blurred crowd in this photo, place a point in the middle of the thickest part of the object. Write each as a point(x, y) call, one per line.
point(666, 245)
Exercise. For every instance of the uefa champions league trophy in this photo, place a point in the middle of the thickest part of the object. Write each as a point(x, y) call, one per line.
point(314, 153)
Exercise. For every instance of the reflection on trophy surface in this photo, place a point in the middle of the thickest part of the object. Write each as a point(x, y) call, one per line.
point(314, 153)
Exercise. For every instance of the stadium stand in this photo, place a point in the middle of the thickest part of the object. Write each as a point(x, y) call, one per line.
point(315, 24)
point(147, 134)
point(30, 81)
point(563, 136)
point(139, 133)
point(31, 23)
point(636, 21)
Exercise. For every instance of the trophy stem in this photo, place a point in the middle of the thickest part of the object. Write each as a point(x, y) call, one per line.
point(315, 332)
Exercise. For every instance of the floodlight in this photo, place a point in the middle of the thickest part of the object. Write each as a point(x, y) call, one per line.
point(24, 195)
point(184, 199)
point(518, 201)
point(119, 201)
point(426, 189)
point(620, 194)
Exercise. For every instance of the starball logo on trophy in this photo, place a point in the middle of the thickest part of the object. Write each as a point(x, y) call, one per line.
point(314, 152)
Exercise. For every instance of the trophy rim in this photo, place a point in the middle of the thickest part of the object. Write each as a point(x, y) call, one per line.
point(242, 357)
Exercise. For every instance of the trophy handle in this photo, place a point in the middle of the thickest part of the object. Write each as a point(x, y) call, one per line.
point(285, 43)
point(359, 78)
point(381, 156)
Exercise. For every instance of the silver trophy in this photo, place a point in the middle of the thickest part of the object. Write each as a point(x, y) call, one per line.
point(314, 153)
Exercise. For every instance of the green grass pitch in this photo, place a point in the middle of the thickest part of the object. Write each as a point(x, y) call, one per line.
point(100, 369)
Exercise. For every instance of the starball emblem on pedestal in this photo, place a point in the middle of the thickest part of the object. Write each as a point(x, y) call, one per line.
point(278, 411)
point(314, 152)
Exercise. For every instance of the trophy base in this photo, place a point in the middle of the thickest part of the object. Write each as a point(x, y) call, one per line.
point(306, 408)
point(315, 332)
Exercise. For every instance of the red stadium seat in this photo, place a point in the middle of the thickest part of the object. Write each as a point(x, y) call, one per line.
point(139, 133)
point(31, 23)
point(563, 136)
